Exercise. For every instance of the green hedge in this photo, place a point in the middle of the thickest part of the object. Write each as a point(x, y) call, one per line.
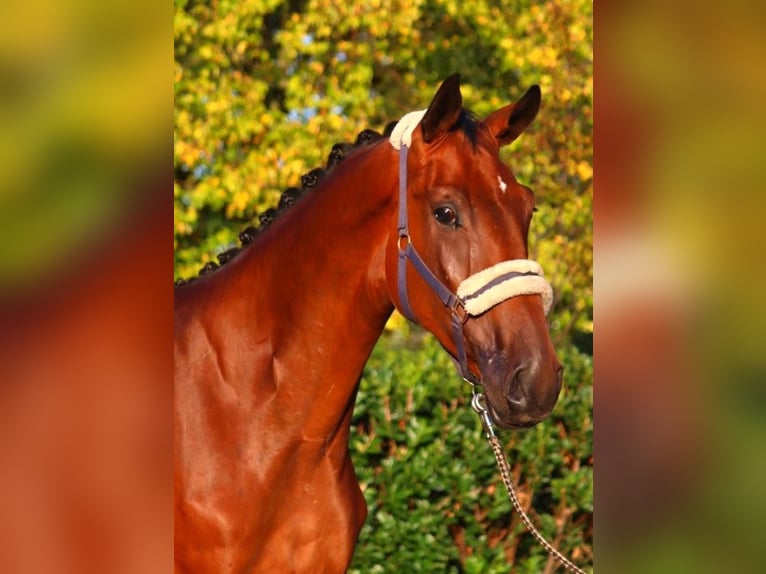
point(436, 501)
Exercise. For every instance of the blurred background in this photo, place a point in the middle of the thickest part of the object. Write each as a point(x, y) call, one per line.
point(85, 293)
point(679, 264)
point(83, 97)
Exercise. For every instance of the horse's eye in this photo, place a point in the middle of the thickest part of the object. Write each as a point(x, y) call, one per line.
point(446, 215)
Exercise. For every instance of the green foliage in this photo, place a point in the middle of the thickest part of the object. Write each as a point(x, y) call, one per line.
point(435, 497)
point(263, 89)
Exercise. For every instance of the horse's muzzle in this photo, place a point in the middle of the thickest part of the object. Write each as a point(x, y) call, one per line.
point(524, 395)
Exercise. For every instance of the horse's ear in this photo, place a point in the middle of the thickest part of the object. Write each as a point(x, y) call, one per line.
point(507, 123)
point(444, 110)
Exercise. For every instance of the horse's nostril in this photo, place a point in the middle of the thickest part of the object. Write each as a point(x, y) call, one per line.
point(559, 374)
point(517, 401)
point(516, 398)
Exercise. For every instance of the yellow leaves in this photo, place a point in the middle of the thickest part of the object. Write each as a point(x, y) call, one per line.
point(184, 153)
point(214, 106)
point(323, 57)
point(182, 227)
point(316, 67)
point(314, 126)
point(238, 204)
point(199, 132)
point(266, 120)
point(334, 122)
point(293, 168)
point(396, 323)
point(182, 121)
point(468, 91)
point(584, 171)
point(550, 57)
point(588, 87)
point(183, 219)
point(543, 56)
point(345, 46)
point(577, 32)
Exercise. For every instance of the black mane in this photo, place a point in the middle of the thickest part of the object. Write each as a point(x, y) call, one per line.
point(290, 197)
point(466, 123)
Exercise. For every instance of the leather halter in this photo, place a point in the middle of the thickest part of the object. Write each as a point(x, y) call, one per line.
point(455, 304)
point(407, 252)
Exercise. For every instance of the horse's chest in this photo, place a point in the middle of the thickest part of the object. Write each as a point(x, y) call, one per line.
point(313, 515)
point(301, 514)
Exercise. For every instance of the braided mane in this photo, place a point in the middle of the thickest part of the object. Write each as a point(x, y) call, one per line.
point(290, 197)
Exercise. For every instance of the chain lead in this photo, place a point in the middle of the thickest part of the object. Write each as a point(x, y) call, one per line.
point(478, 403)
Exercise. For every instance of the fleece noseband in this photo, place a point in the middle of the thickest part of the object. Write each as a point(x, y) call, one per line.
point(475, 294)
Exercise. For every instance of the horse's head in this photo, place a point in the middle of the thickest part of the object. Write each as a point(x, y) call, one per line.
point(466, 213)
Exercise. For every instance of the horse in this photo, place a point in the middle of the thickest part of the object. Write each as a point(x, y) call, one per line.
point(270, 348)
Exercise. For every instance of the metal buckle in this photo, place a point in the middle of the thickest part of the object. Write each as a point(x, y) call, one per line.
point(458, 308)
point(479, 404)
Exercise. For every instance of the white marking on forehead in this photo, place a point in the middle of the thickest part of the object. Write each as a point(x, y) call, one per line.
point(503, 185)
point(402, 133)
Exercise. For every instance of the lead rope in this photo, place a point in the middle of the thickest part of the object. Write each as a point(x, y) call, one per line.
point(507, 271)
point(479, 405)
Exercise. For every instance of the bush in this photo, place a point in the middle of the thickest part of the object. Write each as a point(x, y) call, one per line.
point(436, 501)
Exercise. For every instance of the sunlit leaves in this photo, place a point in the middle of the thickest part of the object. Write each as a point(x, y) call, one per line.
point(263, 89)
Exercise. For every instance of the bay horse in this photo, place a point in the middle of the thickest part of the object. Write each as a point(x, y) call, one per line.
point(270, 348)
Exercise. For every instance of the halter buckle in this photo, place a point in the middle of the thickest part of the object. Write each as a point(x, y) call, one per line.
point(403, 236)
point(458, 309)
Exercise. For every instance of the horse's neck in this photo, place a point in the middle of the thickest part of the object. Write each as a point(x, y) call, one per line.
point(312, 298)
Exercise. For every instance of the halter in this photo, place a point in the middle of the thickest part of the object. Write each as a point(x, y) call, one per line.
point(476, 294)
